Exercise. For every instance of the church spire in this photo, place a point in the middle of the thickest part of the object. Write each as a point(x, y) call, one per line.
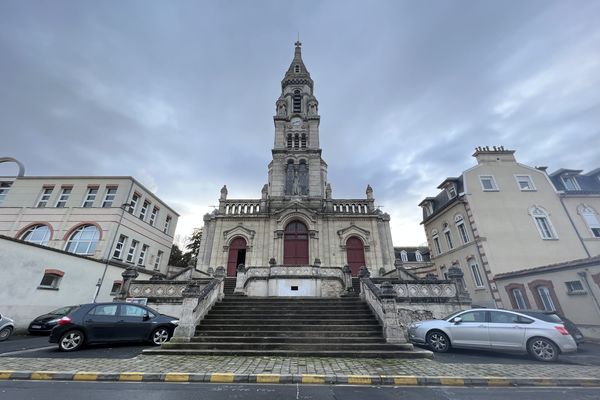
point(297, 74)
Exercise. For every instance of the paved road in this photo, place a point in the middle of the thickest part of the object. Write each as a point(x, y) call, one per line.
point(21, 390)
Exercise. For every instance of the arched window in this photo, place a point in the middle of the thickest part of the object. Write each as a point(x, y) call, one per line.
point(418, 256)
point(448, 237)
point(303, 141)
point(590, 216)
point(462, 230)
point(546, 298)
point(83, 240)
point(38, 234)
point(404, 256)
point(296, 141)
point(297, 101)
point(542, 223)
point(289, 141)
point(436, 241)
point(519, 299)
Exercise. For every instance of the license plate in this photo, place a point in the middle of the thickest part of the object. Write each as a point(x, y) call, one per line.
point(36, 326)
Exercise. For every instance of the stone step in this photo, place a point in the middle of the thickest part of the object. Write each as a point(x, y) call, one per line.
point(307, 310)
point(291, 321)
point(287, 339)
point(289, 333)
point(288, 346)
point(287, 315)
point(292, 299)
point(297, 353)
point(299, 328)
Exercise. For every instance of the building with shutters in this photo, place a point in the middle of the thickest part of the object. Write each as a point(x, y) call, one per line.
point(296, 221)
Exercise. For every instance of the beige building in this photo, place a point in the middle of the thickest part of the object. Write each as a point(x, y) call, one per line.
point(296, 221)
point(498, 217)
point(105, 218)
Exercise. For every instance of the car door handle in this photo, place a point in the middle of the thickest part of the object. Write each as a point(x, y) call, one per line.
point(121, 321)
point(481, 326)
point(517, 327)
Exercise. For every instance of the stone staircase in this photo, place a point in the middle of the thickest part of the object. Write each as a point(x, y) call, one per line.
point(229, 285)
point(279, 326)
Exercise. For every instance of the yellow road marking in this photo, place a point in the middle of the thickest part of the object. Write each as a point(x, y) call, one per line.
point(85, 376)
point(177, 377)
point(452, 381)
point(405, 380)
point(313, 378)
point(131, 376)
point(5, 374)
point(41, 375)
point(359, 380)
point(222, 378)
point(267, 378)
point(498, 382)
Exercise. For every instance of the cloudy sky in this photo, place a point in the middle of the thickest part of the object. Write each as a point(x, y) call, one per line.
point(181, 94)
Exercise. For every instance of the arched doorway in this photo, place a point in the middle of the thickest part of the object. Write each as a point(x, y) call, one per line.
point(295, 247)
point(237, 255)
point(355, 253)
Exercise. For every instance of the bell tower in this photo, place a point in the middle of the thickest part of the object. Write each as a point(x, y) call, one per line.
point(297, 170)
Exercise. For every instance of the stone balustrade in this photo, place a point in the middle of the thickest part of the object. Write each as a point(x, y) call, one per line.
point(351, 206)
point(240, 207)
point(420, 291)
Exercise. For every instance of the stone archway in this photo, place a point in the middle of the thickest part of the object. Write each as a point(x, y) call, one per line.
point(355, 254)
point(295, 244)
point(237, 255)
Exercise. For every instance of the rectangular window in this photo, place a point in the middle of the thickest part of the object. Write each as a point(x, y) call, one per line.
point(591, 220)
point(109, 197)
point(4, 187)
point(157, 260)
point(64, 197)
point(144, 210)
point(574, 286)
point(570, 183)
point(544, 228)
point(546, 298)
point(90, 197)
point(116, 288)
point(519, 299)
point(118, 253)
point(142, 256)
point(153, 215)
point(167, 225)
point(451, 192)
point(448, 240)
point(436, 241)
point(44, 197)
point(131, 252)
point(133, 203)
point(476, 274)
point(525, 183)
point(463, 232)
point(50, 281)
point(488, 183)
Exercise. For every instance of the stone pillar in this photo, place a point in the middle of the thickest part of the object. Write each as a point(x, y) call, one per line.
point(241, 279)
point(457, 277)
point(348, 279)
point(187, 323)
point(392, 329)
point(128, 275)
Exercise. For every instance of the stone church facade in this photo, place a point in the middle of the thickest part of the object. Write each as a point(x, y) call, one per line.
point(296, 222)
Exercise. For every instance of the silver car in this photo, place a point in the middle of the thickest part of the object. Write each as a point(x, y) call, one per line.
point(7, 326)
point(492, 329)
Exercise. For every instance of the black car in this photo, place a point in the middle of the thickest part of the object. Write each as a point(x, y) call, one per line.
point(553, 316)
point(45, 323)
point(111, 322)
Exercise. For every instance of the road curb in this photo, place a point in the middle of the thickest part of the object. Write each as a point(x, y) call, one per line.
point(225, 377)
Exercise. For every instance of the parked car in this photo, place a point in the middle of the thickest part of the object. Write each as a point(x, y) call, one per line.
point(7, 326)
point(494, 329)
point(45, 323)
point(111, 322)
point(553, 316)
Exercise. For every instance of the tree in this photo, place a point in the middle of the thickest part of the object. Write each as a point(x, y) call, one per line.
point(193, 246)
point(176, 259)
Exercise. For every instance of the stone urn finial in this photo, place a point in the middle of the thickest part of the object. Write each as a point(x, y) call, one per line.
point(363, 272)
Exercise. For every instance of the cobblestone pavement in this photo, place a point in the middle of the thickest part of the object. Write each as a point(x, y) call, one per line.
point(293, 366)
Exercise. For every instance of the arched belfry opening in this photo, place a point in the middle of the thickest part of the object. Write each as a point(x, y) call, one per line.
point(295, 248)
point(355, 254)
point(237, 255)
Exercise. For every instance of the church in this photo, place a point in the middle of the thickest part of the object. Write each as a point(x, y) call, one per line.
point(296, 227)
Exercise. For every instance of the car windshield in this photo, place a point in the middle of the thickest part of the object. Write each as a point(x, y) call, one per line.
point(62, 310)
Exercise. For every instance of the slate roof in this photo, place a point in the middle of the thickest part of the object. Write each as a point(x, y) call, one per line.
point(410, 253)
point(442, 201)
point(583, 262)
point(589, 183)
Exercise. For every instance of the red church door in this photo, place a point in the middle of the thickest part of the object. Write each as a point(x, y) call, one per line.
point(295, 244)
point(355, 253)
point(237, 255)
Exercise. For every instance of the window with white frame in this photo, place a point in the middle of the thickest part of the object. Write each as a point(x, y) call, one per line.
point(525, 183)
point(418, 256)
point(64, 197)
point(90, 197)
point(157, 260)
point(404, 256)
point(436, 241)
point(167, 224)
point(144, 210)
point(542, 223)
point(590, 216)
point(519, 298)
point(109, 196)
point(83, 240)
point(546, 298)
point(153, 215)
point(116, 288)
point(50, 280)
point(448, 237)
point(133, 203)
point(462, 230)
point(44, 197)
point(574, 287)
point(142, 256)
point(477, 278)
point(38, 234)
point(570, 183)
point(4, 188)
point(119, 247)
point(132, 251)
point(488, 183)
point(451, 190)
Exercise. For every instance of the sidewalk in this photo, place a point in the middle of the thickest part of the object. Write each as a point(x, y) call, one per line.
point(175, 368)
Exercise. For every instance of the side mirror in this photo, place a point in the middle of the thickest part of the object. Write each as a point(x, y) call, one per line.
point(457, 320)
point(146, 316)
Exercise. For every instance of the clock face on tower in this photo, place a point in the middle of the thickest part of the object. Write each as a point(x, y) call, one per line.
point(296, 122)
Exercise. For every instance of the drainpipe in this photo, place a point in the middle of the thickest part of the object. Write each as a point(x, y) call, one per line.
point(583, 274)
point(573, 224)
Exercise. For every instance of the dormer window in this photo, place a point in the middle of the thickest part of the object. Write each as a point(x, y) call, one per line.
point(297, 69)
point(297, 101)
point(451, 190)
point(570, 183)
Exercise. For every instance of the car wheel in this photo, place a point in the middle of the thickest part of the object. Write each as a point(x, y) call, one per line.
point(159, 336)
point(71, 340)
point(5, 333)
point(438, 341)
point(542, 349)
